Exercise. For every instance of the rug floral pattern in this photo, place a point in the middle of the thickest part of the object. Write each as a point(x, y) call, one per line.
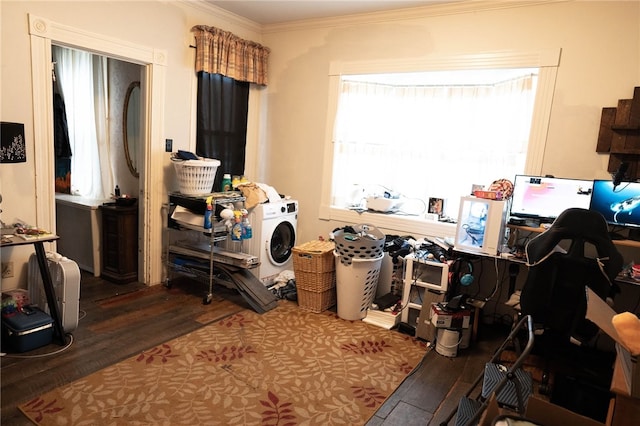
point(285, 367)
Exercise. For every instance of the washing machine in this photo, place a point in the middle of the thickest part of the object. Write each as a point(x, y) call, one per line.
point(274, 227)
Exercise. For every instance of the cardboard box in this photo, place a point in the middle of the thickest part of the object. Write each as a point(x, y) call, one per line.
point(539, 411)
point(444, 319)
point(601, 314)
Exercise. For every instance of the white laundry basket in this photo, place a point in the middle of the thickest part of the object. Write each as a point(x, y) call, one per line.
point(196, 177)
point(356, 285)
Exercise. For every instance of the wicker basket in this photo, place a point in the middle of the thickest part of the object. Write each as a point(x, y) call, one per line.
point(312, 281)
point(196, 177)
point(316, 301)
point(314, 256)
point(315, 270)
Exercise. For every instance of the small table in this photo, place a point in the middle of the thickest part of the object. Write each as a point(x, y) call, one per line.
point(38, 244)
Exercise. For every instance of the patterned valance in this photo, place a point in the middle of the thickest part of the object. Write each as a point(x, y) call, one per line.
point(221, 52)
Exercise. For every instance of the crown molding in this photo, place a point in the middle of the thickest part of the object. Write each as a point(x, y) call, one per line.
point(460, 7)
point(232, 18)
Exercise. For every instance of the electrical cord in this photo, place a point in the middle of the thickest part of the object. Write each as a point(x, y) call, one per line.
point(67, 346)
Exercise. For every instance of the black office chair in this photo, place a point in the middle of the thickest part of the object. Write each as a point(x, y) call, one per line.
point(576, 251)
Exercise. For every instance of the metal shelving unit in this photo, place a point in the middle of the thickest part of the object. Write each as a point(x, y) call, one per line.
point(195, 256)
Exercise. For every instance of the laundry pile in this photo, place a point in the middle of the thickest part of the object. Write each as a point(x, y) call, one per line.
point(258, 193)
point(284, 286)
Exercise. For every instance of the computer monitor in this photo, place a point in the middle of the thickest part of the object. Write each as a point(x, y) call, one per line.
point(619, 205)
point(543, 198)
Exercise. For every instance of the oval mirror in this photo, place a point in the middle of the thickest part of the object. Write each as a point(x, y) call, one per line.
point(131, 127)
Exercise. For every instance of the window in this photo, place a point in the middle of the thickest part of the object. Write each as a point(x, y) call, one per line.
point(82, 87)
point(431, 133)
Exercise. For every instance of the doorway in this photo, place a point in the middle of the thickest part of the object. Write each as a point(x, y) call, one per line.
point(43, 34)
point(92, 98)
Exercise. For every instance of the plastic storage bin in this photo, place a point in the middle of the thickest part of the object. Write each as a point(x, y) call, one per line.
point(27, 330)
point(314, 269)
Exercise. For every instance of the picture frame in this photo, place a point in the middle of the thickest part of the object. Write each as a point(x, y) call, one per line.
point(12, 143)
point(436, 206)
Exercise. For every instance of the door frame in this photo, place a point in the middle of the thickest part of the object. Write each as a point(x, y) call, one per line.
point(43, 33)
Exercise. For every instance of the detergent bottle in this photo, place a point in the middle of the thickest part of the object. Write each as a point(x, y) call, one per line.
point(235, 181)
point(207, 213)
point(247, 232)
point(236, 229)
point(226, 182)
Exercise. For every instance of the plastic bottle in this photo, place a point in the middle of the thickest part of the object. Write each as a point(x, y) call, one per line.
point(207, 214)
point(247, 232)
point(116, 191)
point(226, 182)
point(235, 181)
point(236, 229)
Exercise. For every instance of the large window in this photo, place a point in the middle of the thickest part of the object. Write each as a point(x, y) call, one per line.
point(431, 134)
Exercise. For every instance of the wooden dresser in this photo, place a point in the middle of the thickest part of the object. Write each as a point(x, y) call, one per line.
point(120, 243)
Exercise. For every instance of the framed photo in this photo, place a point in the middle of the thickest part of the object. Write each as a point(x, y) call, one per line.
point(436, 206)
point(12, 144)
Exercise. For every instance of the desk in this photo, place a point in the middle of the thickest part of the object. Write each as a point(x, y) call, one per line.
point(539, 230)
point(623, 407)
point(38, 244)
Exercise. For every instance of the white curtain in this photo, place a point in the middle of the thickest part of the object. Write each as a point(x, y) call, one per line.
point(83, 85)
point(429, 141)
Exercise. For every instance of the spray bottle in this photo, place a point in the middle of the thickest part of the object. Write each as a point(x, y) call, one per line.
point(236, 229)
point(208, 213)
point(247, 232)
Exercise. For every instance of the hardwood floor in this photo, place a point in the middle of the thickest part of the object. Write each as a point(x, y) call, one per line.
point(427, 396)
point(118, 321)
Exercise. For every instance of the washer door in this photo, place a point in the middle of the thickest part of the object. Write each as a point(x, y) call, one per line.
point(281, 242)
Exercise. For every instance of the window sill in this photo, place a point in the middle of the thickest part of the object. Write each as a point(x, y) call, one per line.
point(416, 226)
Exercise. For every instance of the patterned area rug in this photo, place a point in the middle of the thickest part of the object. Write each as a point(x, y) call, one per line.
point(285, 367)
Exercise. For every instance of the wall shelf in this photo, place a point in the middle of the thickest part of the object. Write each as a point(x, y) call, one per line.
point(619, 135)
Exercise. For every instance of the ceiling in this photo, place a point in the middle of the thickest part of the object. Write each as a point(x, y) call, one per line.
point(267, 12)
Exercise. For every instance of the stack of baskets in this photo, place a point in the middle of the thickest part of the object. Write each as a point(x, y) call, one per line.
point(358, 258)
point(315, 272)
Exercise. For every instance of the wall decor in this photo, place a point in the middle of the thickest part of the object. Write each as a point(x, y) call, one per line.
point(12, 143)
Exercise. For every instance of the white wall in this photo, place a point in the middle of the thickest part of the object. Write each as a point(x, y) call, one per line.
point(161, 25)
point(600, 64)
point(121, 76)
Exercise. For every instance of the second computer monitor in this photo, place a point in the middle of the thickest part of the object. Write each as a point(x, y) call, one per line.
point(620, 205)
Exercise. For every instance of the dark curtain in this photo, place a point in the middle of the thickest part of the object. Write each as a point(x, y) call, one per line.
point(222, 123)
